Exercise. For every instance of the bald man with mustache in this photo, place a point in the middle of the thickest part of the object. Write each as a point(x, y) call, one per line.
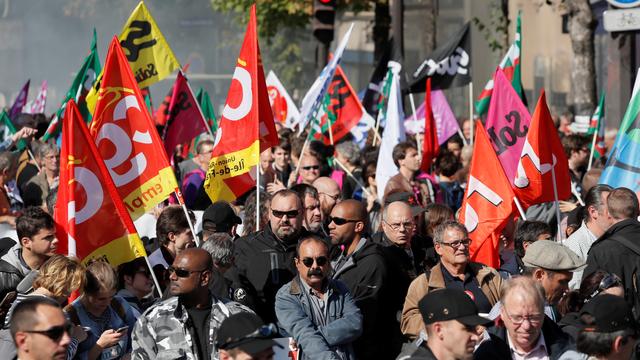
point(361, 266)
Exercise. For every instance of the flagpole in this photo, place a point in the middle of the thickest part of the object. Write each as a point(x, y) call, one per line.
point(520, 209)
point(375, 131)
point(258, 195)
point(470, 113)
point(186, 213)
point(593, 146)
point(575, 193)
point(153, 276)
point(364, 189)
point(557, 204)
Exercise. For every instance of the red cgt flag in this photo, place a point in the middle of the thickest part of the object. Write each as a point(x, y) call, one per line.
point(127, 139)
point(185, 120)
point(246, 126)
point(488, 201)
point(89, 212)
point(430, 145)
point(542, 152)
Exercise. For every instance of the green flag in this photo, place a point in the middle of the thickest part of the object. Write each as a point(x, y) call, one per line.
point(10, 129)
point(80, 86)
point(207, 109)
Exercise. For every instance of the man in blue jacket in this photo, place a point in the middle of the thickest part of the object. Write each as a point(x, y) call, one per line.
point(317, 311)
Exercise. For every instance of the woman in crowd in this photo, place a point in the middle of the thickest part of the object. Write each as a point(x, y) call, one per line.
point(109, 318)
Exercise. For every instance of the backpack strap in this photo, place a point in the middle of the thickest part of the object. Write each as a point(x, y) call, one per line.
point(119, 309)
point(627, 243)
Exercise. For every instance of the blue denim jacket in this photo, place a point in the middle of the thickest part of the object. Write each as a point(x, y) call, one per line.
point(332, 341)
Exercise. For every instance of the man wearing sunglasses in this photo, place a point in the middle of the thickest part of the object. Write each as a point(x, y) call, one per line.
point(309, 168)
point(317, 311)
point(264, 260)
point(361, 266)
point(40, 330)
point(185, 325)
point(455, 270)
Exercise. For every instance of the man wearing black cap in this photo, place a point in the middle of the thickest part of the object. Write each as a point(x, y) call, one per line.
point(451, 320)
point(244, 336)
point(219, 217)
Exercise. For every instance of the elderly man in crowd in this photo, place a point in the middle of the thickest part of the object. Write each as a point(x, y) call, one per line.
point(35, 191)
point(311, 203)
point(617, 250)
point(527, 333)
point(451, 320)
point(264, 260)
point(185, 325)
point(329, 195)
point(317, 311)
point(454, 270)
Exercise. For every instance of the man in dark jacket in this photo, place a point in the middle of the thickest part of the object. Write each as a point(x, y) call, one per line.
point(361, 266)
point(264, 260)
point(617, 251)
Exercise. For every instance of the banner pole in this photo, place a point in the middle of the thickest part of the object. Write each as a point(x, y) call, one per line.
point(186, 213)
point(350, 174)
point(575, 193)
point(557, 203)
point(34, 159)
point(593, 147)
point(520, 209)
point(471, 122)
point(153, 276)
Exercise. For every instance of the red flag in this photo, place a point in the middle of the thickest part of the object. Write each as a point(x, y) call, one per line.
point(430, 147)
point(161, 115)
point(488, 201)
point(89, 212)
point(344, 109)
point(246, 126)
point(185, 120)
point(541, 152)
point(127, 139)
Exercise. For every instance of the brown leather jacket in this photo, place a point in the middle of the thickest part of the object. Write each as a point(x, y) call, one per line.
point(411, 323)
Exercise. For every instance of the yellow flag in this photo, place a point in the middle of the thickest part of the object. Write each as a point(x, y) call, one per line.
point(147, 51)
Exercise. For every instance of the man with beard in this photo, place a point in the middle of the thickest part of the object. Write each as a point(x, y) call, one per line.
point(311, 203)
point(264, 260)
point(317, 311)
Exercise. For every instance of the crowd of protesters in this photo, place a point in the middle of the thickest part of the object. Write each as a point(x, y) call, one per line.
point(324, 262)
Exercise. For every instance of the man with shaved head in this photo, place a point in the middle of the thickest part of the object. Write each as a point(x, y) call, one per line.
point(329, 194)
point(183, 326)
point(361, 266)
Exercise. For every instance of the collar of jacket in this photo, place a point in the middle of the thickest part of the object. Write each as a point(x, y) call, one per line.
point(436, 278)
point(296, 286)
point(619, 226)
point(275, 242)
point(180, 312)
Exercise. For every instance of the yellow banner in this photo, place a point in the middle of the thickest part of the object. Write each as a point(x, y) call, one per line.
point(113, 252)
point(229, 166)
point(149, 55)
point(153, 191)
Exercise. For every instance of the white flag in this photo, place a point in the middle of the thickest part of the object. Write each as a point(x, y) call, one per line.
point(284, 109)
point(37, 105)
point(313, 99)
point(393, 134)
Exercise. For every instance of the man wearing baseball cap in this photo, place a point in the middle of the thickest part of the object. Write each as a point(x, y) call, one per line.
point(552, 265)
point(451, 320)
point(244, 336)
point(219, 217)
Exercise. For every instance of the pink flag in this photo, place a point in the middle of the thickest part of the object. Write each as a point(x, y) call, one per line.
point(37, 105)
point(507, 124)
point(185, 120)
point(446, 123)
point(21, 100)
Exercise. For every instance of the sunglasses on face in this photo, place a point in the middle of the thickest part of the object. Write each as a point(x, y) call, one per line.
point(320, 260)
point(54, 333)
point(607, 282)
point(280, 214)
point(340, 221)
point(182, 273)
point(311, 167)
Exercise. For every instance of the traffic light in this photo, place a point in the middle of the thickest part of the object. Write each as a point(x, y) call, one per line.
point(324, 14)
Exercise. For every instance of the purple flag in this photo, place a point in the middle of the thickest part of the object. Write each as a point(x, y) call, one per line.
point(446, 123)
point(20, 102)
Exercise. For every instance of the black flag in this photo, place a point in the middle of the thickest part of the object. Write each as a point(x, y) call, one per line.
point(374, 88)
point(448, 66)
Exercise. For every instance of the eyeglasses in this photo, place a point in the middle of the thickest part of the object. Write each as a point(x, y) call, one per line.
point(182, 273)
point(280, 214)
point(456, 244)
point(334, 197)
point(320, 260)
point(311, 167)
point(340, 221)
point(607, 282)
point(263, 332)
point(534, 319)
point(54, 333)
point(396, 226)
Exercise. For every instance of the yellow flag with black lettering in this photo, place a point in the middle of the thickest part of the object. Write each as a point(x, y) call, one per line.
point(146, 49)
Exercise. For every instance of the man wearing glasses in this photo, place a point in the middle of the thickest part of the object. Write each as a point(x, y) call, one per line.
point(185, 325)
point(264, 260)
point(317, 311)
point(527, 333)
point(40, 330)
point(361, 266)
point(482, 283)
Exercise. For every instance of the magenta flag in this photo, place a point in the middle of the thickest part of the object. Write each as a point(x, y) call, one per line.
point(446, 123)
point(185, 120)
point(20, 102)
point(507, 124)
